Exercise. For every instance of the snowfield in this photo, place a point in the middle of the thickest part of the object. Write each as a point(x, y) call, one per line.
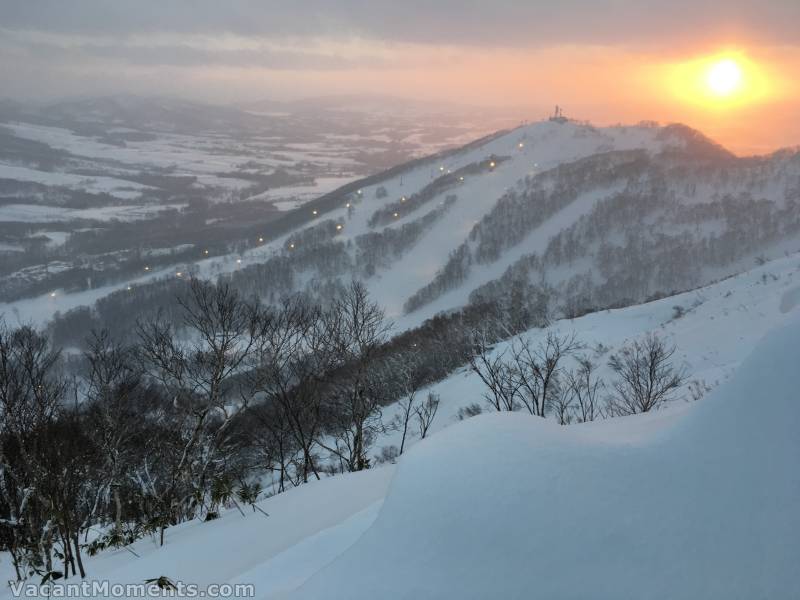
point(127, 190)
point(697, 500)
point(511, 506)
point(36, 213)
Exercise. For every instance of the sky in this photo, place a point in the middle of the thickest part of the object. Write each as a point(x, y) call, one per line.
point(607, 61)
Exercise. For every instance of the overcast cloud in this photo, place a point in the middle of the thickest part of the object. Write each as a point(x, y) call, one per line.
point(519, 22)
point(51, 48)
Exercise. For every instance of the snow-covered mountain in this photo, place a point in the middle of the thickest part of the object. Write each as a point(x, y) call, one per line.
point(549, 219)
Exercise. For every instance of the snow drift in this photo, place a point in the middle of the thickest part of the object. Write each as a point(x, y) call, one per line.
point(511, 506)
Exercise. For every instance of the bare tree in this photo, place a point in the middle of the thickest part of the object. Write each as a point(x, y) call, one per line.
point(356, 329)
point(114, 406)
point(538, 368)
point(222, 332)
point(271, 436)
point(499, 376)
point(292, 357)
point(426, 412)
point(585, 389)
point(562, 405)
point(32, 390)
point(646, 377)
point(406, 375)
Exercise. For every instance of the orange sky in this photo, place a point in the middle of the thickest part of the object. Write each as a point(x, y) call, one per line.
point(598, 83)
point(606, 61)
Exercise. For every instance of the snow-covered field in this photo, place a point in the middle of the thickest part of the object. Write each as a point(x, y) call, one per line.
point(697, 500)
point(37, 213)
point(292, 197)
point(118, 188)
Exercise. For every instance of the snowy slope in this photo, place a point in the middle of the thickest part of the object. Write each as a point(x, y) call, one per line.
point(721, 325)
point(238, 547)
point(512, 506)
point(509, 506)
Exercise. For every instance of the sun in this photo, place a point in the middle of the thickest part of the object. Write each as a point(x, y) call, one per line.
point(724, 77)
point(729, 79)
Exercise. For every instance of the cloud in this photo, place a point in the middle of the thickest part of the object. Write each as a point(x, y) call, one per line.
point(465, 22)
point(187, 55)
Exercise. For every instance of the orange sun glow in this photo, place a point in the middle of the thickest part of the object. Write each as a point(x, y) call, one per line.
point(721, 81)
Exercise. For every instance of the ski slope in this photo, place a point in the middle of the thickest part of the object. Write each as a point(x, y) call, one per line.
point(526, 150)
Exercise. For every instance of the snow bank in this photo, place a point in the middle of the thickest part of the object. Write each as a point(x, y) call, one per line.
point(321, 519)
point(509, 506)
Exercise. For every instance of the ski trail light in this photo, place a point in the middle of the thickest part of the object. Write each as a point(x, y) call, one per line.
point(492, 165)
point(360, 192)
point(147, 268)
point(521, 145)
point(396, 215)
point(347, 205)
point(461, 178)
point(403, 199)
point(178, 274)
point(291, 246)
point(314, 212)
point(52, 294)
point(238, 261)
point(441, 168)
point(205, 252)
point(261, 240)
point(129, 288)
point(338, 228)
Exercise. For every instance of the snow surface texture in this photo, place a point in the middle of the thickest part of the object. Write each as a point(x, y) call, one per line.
point(698, 500)
point(511, 506)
